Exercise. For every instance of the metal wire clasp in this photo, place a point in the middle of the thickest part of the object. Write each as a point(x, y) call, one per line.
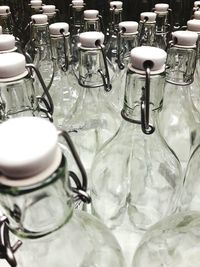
point(145, 100)
point(65, 66)
point(47, 102)
point(81, 188)
point(6, 250)
point(105, 77)
point(119, 62)
point(142, 37)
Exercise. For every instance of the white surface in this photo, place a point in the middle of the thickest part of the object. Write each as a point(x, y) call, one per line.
point(161, 7)
point(141, 54)
point(55, 28)
point(197, 15)
point(7, 42)
point(91, 14)
point(36, 3)
point(130, 26)
point(150, 15)
point(4, 10)
point(197, 3)
point(39, 19)
point(77, 3)
point(49, 8)
point(28, 146)
point(193, 25)
point(116, 4)
point(185, 38)
point(88, 39)
point(11, 65)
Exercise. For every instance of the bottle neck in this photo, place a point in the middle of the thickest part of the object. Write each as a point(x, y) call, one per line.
point(126, 44)
point(92, 25)
point(37, 210)
point(115, 19)
point(40, 35)
point(146, 33)
point(135, 85)
point(61, 53)
point(161, 23)
point(77, 20)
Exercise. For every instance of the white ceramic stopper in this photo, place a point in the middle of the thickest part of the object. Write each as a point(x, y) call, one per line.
point(39, 19)
point(4, 10)
point(140, 55)
point(89, 39)
point(77, 3)
point(0, 29)
point(28, 146)
point(7, 42)
point(58, 28)
point(12, 65)
point(36, 3)
point(130, 27)
point(185, 38)
point(91, 14)
point(196, 3)
point(197, 15)
point(150, 15)
point(116, 4)
point(161, 8)
point(193, 25)
point(48, 9)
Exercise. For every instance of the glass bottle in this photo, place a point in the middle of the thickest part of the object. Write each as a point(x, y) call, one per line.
point(172, 242)
point(135, 174)
point(147, 28)
point(92, 21)
point(36, 197)
point(50, 11)
point(6, 20)
point(40, 49)
point(116, 9)
point(17, 91)
point(178, 120)
point(162, 26)
point(76, 9)
point(64, 86)
point(36, 7)
point(194, 26)
point(94, 119)
point(127, 40)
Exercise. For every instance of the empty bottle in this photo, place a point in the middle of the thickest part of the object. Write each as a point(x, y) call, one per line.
point(50, 11)
point(135, 173)
point(6, 21)
point(92, 21)
point(147, 28)
point(37, 199)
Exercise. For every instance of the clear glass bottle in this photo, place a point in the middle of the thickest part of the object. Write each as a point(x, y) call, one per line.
point(64, 86)
point(92, 21)
point(147, 28)
point(116, 9)
point(17, 91)
point(40, 49)
point(6, 21)
point(135, 173)
point(178, 119)
point(37, 199)
point(127, 40)
point(162, 26)
point(172, 242)
point(94, 119)
point(194, 26)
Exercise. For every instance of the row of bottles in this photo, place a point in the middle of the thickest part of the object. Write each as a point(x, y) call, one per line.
point(124, 102)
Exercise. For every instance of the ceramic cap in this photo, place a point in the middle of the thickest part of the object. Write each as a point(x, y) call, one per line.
point(148, 53)
point(88, 39)
point(0, 29)
point(36, 3)
point(39, 19)
point(150, 15)
point(12, 65)
point(49, 9)
point(91, 14)
point(116, 4)
point(197, 3)
point(185, 38)
point(7, 42)
point(161, 8)
point(4, 10)
point(193, 25)
point(28, 146)
point(197, 15)
point(131, 27)
point(77, 3)
point(56, 28)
